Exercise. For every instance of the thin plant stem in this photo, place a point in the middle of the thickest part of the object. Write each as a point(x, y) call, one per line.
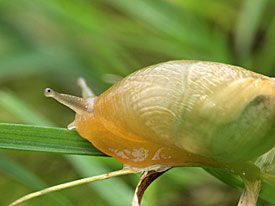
point(75, 183)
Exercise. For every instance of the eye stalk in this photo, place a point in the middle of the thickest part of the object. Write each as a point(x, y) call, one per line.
point(79, 105)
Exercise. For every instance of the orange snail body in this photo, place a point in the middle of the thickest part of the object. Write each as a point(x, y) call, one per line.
point(179, 113)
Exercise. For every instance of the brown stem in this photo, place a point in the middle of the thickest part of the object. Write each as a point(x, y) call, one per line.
point(145, 180)
point(250, 194)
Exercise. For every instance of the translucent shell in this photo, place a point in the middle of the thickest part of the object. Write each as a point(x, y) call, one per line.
point(182, 112)
point(215, 110)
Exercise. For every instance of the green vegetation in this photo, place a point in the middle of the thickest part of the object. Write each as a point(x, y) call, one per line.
point(51, 43)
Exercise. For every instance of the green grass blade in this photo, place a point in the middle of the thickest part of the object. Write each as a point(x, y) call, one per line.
point(44, 139)
point(226, 177)
point(267, 191)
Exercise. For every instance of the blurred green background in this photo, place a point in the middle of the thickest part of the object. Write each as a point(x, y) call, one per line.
point(51, 43)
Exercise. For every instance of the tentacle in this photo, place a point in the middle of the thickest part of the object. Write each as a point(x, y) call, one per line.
point(79, 105)
point(86, 91)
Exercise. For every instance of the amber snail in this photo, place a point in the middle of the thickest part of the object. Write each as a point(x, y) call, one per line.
point(179, 113)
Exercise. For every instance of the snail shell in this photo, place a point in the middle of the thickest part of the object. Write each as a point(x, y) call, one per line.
point(182, 111)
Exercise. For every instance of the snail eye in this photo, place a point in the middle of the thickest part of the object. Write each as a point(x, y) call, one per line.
point(48, 92)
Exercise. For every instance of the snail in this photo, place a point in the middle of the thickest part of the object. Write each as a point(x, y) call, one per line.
point(179, 113)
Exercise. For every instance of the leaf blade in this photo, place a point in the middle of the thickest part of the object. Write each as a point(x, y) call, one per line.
point(44, 139)
point(266, 193)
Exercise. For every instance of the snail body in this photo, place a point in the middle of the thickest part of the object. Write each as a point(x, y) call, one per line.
point(179, 113)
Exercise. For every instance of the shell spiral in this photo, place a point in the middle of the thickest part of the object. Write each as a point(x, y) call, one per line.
point(214, 110)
